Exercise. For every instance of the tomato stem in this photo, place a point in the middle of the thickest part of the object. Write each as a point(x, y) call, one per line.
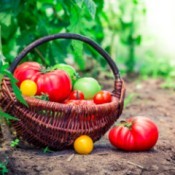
point(125, 124)
point(45, 70)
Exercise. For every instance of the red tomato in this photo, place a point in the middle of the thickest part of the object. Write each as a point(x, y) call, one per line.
point(56, 84)
point(102, 97)
point(76, 95)
point(27, 71)
point(134, 134)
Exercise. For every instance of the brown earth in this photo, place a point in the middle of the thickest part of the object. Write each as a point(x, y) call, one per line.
point(147, 99)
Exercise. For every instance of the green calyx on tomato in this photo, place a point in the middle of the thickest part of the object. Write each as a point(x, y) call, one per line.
point(126, 124)
point(88, 86)
point(69, 70)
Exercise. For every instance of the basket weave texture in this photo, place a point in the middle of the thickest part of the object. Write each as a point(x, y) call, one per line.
point(57, 125)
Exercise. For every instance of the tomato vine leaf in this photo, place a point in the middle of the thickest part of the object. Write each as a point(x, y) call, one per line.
point(7, 116)
point(91, 6)
point(15, 88)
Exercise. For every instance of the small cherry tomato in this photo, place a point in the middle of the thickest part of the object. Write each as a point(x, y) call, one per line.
point(76, 95)
point(102, 97)
point(28, 88)
point(83, 145)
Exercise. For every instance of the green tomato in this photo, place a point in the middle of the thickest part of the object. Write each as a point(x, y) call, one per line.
point(69, 70)
point(88, 85)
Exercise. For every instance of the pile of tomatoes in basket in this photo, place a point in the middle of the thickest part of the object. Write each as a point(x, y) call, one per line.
point(59, 83)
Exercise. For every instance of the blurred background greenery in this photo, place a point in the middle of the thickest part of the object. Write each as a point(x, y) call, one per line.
point(138, 34)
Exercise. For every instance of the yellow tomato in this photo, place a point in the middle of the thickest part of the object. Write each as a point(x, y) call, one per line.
point(28, 88)
point(83, 144)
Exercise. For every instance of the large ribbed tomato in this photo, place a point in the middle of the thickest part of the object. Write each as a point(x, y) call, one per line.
point(56, 84)
point(134, 134)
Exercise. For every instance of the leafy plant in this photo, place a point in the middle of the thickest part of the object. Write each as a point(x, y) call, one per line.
point(129, 99)
point(5, 72)
point(3, 164)
point(14, 143)
point(115, 25)
point(130, 35)
point(46, 18)
point(156, 68)
point(168, 84)
point(6, 116)
point(3, 168)
point(47, 150)
point(124, 28)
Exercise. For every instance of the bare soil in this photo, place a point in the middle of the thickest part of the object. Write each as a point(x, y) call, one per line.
point(148, 99)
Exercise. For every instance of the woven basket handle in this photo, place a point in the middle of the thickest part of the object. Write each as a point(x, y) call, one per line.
point(45, 39)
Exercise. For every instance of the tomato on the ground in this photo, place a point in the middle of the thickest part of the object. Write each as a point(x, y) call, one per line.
point(83, 145)
point(135, 134)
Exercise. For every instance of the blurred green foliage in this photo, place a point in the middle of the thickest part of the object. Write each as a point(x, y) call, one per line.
point(3, 168)
point(125, 31)
point(22, 22)
point(115, 25)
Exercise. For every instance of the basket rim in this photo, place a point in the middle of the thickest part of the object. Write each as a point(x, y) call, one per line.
point(35, 103)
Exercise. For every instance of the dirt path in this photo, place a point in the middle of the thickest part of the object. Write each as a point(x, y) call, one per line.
point(148, 99)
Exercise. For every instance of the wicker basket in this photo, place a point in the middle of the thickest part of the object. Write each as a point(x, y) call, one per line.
point(57, 125)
